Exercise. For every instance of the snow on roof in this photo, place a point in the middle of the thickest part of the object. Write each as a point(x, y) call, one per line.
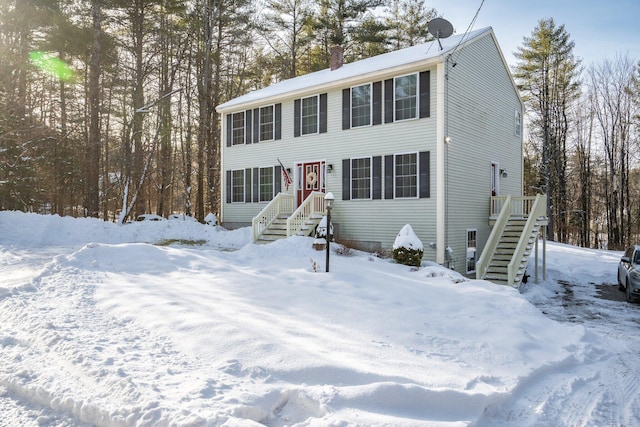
point(425, 52)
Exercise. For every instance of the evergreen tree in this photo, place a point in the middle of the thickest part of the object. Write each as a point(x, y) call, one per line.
point(408, 22)
point(547, 74)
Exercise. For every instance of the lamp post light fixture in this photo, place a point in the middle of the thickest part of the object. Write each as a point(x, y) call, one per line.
point(328, 204)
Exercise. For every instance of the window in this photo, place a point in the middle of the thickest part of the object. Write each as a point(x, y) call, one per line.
point(237, 186)
point(237, 129)
point(406, 97)
point(361, 105)
point(471, 250)
point(361, 178)
point(266, 123)
point(266, 184)
point(310, 115)
point(406, 175)
point(518, 123)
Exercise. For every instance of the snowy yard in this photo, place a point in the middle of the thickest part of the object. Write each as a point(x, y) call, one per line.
point(131, 325)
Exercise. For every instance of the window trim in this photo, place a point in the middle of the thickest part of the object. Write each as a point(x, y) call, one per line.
point(317, 115)
point(518, 123)
point(416, 96)
point(243, 128)
point(417, 175)
point(243, 186)
point(466, 254)
point(260, 183)
point(273, 123)
point(351, 115)
point(351, 178)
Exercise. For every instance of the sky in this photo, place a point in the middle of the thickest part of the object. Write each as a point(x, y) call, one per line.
point(600, 30)
point(178, 323)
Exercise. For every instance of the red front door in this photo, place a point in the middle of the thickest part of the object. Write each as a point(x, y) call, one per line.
point(311, 179)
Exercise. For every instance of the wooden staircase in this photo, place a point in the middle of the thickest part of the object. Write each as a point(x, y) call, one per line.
point(279, 220)
point(497, 271)
point(278, 228)
point(516, 224)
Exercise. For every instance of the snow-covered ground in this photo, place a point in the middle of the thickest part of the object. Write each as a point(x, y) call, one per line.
point(175, 323)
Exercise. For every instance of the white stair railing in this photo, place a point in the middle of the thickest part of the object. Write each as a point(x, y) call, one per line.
point(281, 204)
point(496, 233)
point(313, 204)
point(537, 209)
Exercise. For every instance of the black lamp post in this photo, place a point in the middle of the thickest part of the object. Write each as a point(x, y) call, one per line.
point(328, 203)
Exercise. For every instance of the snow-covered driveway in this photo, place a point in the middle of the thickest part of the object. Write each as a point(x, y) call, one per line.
point(119, 333)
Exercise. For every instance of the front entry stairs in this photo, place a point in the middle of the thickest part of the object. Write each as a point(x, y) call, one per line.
point(279, 220)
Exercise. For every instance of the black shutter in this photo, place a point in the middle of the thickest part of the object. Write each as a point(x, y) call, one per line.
point(323, 113)
point(425, 94)
point(346, 179)
point(247, 185)
point(423, 179)
point(377, 177)
point(277, 121)
point(388, 176)
point(297, 115)
point(388, 101)
point(277, 180)
point(229, 129)
point(377, 103)
point(228, 186)
point(256, 188)
point(247, 127)
point(346, 109)
point(256, 125)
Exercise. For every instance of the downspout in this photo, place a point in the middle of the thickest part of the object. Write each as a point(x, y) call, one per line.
point(441, 222)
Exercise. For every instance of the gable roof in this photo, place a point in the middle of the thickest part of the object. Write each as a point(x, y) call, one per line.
point(426, 52)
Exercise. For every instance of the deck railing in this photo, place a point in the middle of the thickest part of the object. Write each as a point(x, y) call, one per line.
point(519, 206)
point(537, 210)
point(312, 205)
point(281, 204)
point(494, 238)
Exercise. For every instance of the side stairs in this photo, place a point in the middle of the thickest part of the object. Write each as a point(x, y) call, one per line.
point(278, 228)
point(497, 271)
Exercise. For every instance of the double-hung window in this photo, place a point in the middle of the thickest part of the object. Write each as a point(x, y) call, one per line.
point(237, 186)
point(406, 97)
point(266, 123)
point(310, 115)
point(266, 184)
point(471, 250)
point(237, 128)
point(406, 175)
point(361, 105)
point(361, 178)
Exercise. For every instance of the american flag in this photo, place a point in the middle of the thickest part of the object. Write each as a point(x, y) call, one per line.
point(286, 176)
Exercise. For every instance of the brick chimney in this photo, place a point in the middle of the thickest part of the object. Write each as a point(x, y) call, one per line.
point(337, 57)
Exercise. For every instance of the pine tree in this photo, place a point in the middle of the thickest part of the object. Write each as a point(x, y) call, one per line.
point(547, 74)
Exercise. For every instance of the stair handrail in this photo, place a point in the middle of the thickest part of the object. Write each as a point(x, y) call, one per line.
point(494, 238)
point(539, 209)
point(281, 203)
point(313, 204)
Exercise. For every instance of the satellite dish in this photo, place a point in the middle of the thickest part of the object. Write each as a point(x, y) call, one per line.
point(440, 28)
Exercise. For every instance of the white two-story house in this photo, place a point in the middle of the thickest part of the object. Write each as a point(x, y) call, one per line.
point(430, 136)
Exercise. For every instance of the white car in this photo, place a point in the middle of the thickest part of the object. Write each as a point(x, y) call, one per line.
point(629, 273)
